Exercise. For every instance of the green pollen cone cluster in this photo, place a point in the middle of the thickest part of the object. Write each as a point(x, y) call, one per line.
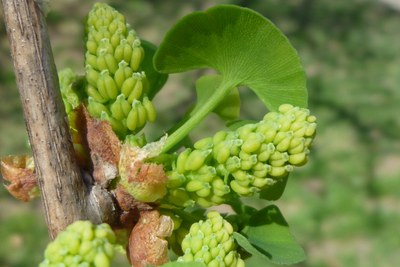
point(115, 84)
point(212, 243)
point(244, 161)
point(82, 244)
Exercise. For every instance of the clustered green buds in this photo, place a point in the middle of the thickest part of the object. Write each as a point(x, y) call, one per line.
point(115, 84)
point(82, 244)
point(212, 243)
point(244, 161)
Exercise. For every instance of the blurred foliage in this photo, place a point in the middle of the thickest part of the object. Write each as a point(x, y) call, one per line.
point(343, 206)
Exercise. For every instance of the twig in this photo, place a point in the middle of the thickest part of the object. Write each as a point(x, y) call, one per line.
point(64, 194)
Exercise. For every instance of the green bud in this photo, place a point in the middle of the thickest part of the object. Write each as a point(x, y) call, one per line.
point(240, 175)
point(233, 164)
point(127, 85)
point(300, 132)
point(142, 115)
point(235, 146)
point(188, 257)
point(203, 202)
point(285, 143)
point(215, 247)
point(109, 250)
point(239, 189)
point(261, 173)
point(196, 159)
point(181, 160)
point(278, 172)
point(101, 260)
point(195, 244)
point(150, 110)
point(311, 119)
point(219, 187)
point(214, 263)
point(307, 143)
point(78, 246)
point(252, 142)
point(245, 130)
point(194, 185)
point(222, 152)
point(298, 159)
point(205, 191)
point(310, 131)
point(206, 257)
point(95, 109)
point(132, 121)
point(206, 177)
point(298, 149)
point(203, 144)
point(262, 182)
point(175, 179)
point(248, 163)
point(179, 197)
point(206, 228)
point(247, 182)
point(219, 137)
point(296, 142)
point(73, 246)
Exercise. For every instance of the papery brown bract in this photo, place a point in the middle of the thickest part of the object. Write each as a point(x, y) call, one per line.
point(103, 145)
point(147, 244)
point(19, 172)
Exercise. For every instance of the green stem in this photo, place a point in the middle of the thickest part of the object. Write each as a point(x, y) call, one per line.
point(198, 116)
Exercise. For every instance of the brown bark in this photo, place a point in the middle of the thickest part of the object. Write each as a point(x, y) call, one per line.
point(64, 194)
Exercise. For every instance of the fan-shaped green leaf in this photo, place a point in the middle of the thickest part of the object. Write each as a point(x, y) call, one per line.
point(269, 233)
point(246, 48)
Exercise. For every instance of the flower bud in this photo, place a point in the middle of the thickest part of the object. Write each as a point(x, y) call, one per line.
point(213, 248)
point(113, 53)
point(77, 245)
point(249, 159)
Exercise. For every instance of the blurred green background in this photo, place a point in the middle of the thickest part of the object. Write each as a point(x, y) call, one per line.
point(344, 206)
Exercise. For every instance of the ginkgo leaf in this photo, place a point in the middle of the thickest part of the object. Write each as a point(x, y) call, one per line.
point(243, 46)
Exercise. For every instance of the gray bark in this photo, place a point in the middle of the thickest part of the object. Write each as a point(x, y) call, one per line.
point(65, 196)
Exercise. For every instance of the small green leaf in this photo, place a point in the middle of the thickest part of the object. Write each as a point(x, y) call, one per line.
point(245, 244)
point(269, 233)
point(183, 264)
point(228, 108)
point(275, 191)
point(156, 79)
point(255, 261)
point(242, 45)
